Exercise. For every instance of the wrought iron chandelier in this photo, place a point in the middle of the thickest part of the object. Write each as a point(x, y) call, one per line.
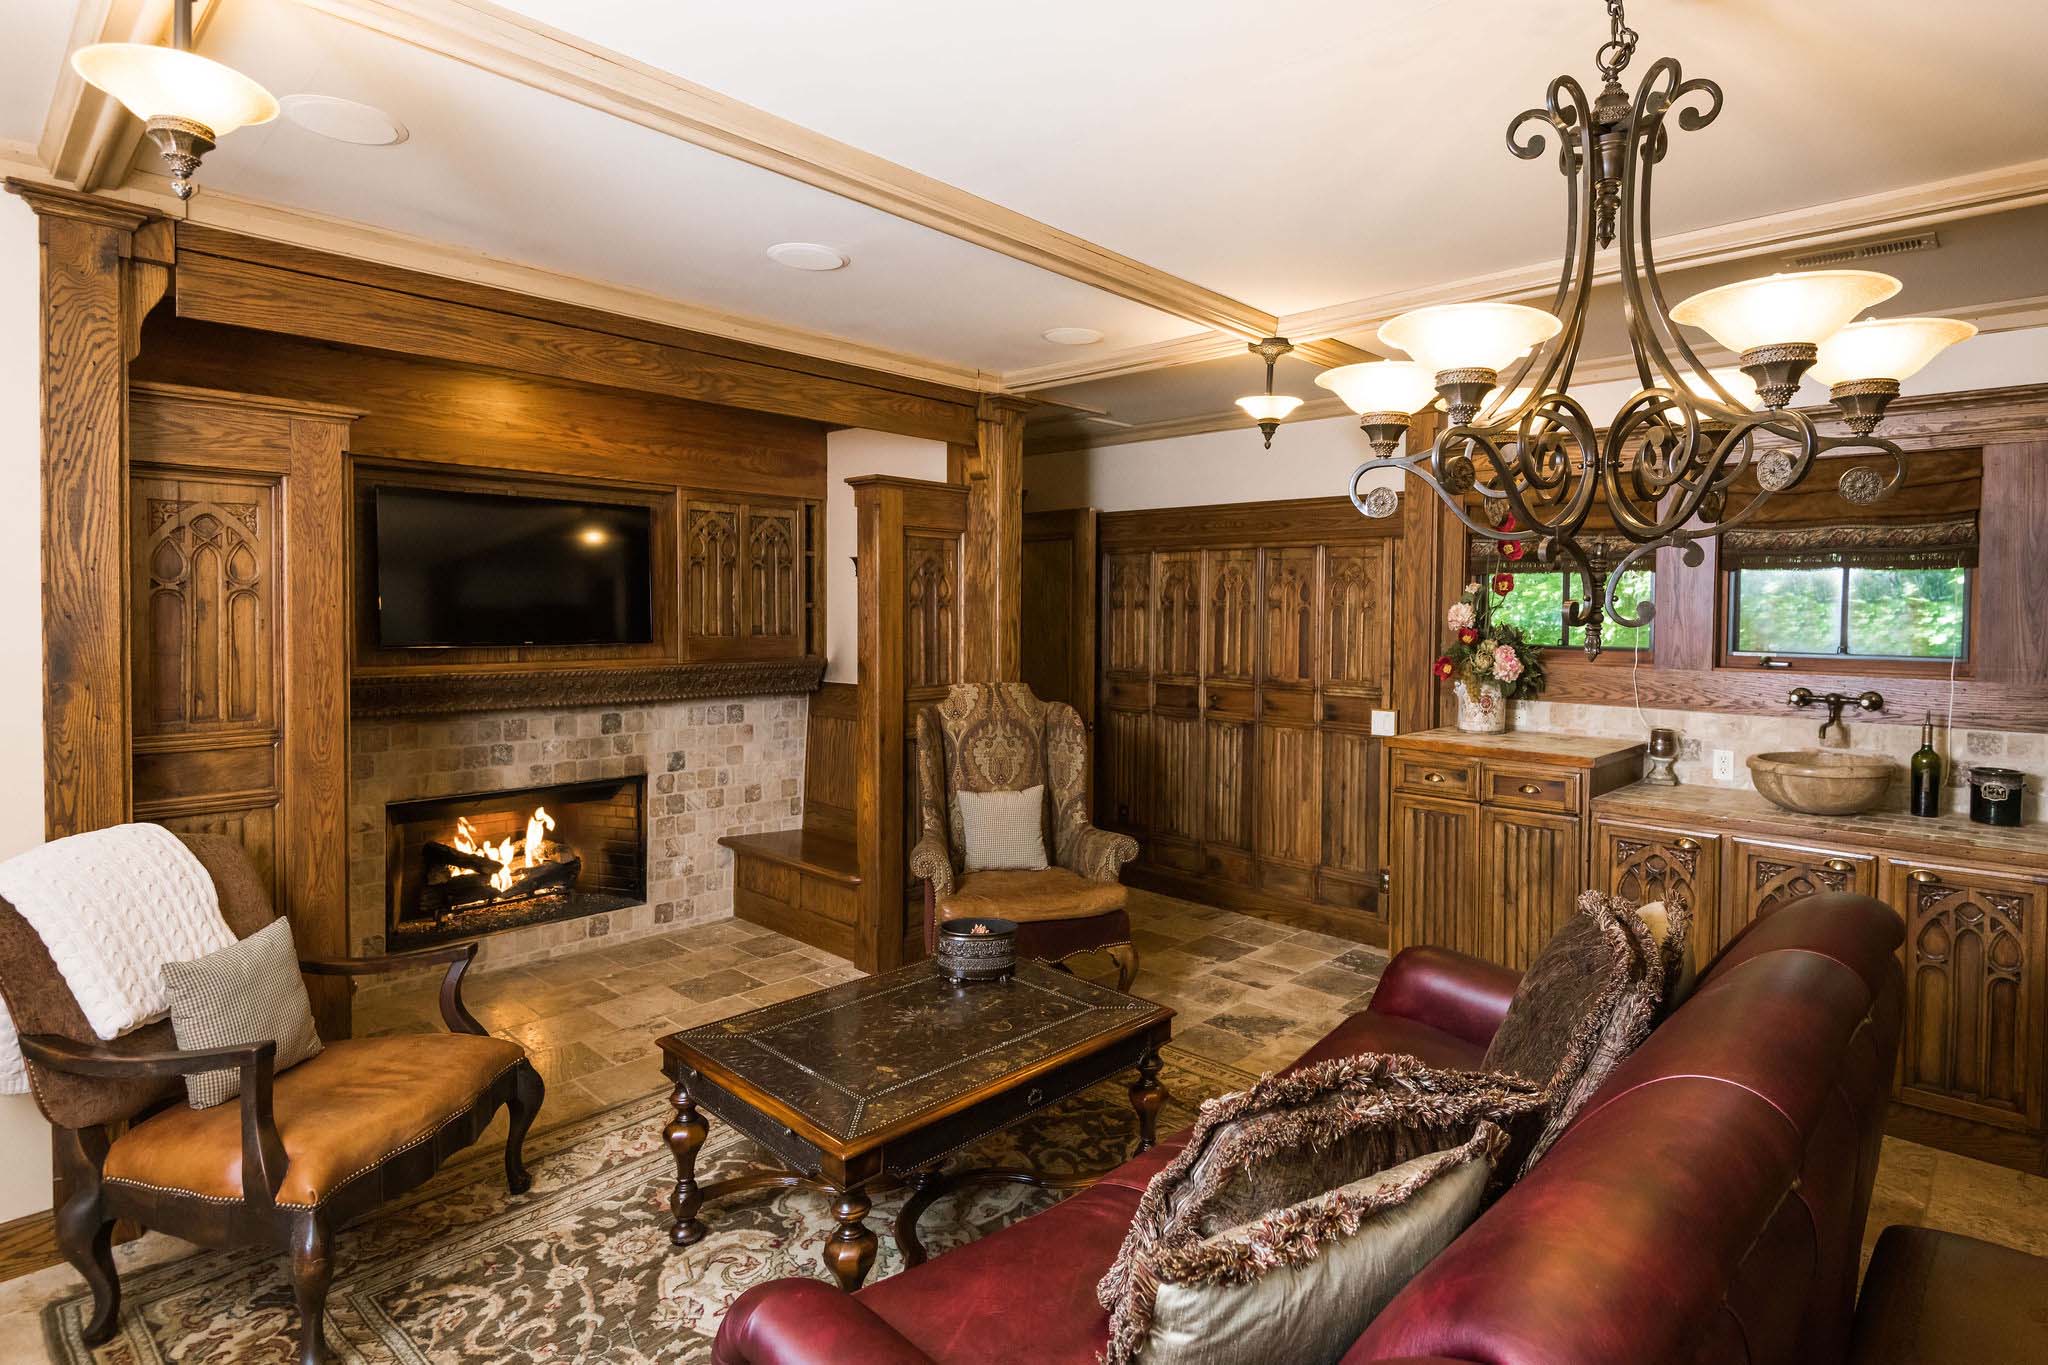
point(1669, 461)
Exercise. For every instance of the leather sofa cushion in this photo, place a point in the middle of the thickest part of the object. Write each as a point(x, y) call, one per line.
point(1369, 1032)
point(338, 1114)
point(1052, 893)
point(1936, 1298)
point(1026, 1292)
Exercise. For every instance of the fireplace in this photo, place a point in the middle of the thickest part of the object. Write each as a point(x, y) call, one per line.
point(459, 866)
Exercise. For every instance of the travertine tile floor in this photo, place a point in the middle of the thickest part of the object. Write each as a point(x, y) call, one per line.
point(1247, 991)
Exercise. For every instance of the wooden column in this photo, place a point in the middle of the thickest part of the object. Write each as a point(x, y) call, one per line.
point(2011, 641)
point(912, 595)
point(92, 303)
point(993, 470)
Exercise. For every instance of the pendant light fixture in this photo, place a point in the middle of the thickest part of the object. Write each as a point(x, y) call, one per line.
point(187, 103)
point(1269, 409)
point(1665, 470)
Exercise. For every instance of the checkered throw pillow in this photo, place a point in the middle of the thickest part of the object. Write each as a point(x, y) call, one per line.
point(1004, 829)
point(243, 993)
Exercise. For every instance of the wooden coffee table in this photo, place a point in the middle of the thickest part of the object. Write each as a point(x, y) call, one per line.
point(882, 1079)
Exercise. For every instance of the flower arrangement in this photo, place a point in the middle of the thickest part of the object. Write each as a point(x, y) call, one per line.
point(1485, 652)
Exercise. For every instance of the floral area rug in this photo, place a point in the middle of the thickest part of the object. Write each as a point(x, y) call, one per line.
point(580, 1268)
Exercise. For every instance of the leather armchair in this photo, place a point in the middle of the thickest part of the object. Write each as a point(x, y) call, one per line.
point(297, 1155)
point(999, 737)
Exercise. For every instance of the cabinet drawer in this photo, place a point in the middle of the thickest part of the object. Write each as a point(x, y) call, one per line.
point(1529, 788)
point(1427, 776)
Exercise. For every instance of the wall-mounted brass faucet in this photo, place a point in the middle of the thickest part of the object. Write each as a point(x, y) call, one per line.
point(1803, 697)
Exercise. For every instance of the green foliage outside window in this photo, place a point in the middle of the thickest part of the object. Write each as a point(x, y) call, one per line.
point(1536, 606)
point(1858, 612)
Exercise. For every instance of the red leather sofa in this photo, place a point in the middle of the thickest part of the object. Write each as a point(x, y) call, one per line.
point(1707, 1205)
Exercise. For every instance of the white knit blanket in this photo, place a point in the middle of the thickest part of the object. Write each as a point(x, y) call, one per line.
point(113, 907)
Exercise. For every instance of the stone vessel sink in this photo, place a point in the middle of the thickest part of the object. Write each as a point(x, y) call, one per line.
point(1822, 781)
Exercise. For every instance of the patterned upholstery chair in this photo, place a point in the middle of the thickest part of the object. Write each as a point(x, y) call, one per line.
point(999, 737)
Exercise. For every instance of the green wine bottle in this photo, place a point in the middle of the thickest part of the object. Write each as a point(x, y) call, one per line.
point(1926, 772)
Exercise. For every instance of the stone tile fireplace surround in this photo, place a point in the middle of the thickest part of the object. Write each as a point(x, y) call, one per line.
point(712, 768)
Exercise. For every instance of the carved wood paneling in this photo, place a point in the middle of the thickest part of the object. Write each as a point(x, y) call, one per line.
point(254, 828)
point(1974, 966)
point(1227, 762)
point(1230, 616)
point(931, 625)
point(441, 694)
point(1768, 877)
point(1176, 773)
point(207, 559)
point(1288, 614)
point(1438, 881)
point(773, 588)
point(1126, 621)
point(1350, 829)
point(1122, 777)
point(1530, 865)
point(1290, 787)
point(711, 569)
point(1058, 611)
point(1357, 638)
point(1177, 612)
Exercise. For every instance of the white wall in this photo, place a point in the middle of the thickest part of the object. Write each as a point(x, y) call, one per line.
point(24, 1137)
point(1315, 459)
point(848, 454)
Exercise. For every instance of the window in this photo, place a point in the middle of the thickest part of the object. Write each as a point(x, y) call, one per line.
point(1849, 610)
point(1536, 604)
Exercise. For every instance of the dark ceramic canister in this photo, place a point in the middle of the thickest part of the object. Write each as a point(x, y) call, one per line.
point(1996, 795)
point(980, 949)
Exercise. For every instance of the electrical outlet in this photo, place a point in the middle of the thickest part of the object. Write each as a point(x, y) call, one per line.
point(1724, 765)
point(1386, 722)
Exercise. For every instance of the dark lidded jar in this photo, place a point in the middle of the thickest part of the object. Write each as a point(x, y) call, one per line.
point(1996, 795)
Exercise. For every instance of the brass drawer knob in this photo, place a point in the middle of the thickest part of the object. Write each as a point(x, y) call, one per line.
point(1530, 789)
point(1838, 865)
point(1685, 845)
point(1923, 876)
point(1432, 777)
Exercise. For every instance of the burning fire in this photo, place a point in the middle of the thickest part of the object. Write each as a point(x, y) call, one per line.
point(537, 826)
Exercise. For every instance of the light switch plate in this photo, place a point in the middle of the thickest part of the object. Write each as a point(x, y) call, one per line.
point(1724, 765)
point(1386, 722)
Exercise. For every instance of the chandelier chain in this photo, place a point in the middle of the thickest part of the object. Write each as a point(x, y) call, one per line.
point(1615, 53)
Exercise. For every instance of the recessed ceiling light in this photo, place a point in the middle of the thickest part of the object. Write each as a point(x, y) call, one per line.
point(331, 116)
point(1071, 336)
point(806, 256)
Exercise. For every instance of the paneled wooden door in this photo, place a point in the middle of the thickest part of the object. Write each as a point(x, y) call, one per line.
point(1056, 655)
point(238, 643)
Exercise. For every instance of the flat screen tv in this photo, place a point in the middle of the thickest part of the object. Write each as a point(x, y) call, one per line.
point(482, 569)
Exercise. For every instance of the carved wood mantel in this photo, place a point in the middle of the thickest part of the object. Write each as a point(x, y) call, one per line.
point(432, 694)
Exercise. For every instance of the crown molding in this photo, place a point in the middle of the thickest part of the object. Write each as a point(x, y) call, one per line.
point(490, 39)
point(1995, 191)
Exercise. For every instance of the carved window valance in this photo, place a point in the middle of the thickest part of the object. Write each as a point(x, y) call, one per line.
point(1947, 544)
point(1484, 557)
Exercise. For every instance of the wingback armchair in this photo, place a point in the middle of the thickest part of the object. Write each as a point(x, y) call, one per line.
point(999, 737)
point(300, 1153)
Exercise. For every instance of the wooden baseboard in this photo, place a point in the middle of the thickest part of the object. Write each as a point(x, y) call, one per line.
point(2021, 1151)
point(1352, 924)
point(28, 1244)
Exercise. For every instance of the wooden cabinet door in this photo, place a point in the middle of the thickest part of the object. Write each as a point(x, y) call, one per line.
point(1230, 615)
point(1351, 859)
point(1126, 619)
point(1289, 809)
point(1678, 867)
point(1974, 958)
point(711, 575)
point(1434, 867)
point(1766, 876)
point(772, 581)
point(1177, 614)
point(1529, 878)
point(1357, 646)
point(1228, 756)
point(1176, 777)
point(1123, 774)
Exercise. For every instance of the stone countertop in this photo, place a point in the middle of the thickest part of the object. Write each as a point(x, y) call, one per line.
point(1583, 751)
point(1742, 810)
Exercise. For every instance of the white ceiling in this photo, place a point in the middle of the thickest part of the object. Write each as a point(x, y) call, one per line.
point(1298, 153)
point(1293, 154)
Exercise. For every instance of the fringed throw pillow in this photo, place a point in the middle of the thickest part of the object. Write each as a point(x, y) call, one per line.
point(1588, 1000)
point(1300, 1206)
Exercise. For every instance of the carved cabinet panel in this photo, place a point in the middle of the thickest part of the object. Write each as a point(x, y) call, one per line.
point(1290, 787)
point(1177, 610)
point(1357, 646)
point(1679, 867)
point(1123, 770)
point(1440, 841)
point(1288, 615)
point(711, 570)
point(207, 591)
point(931, 606)
point(1230, 613)
point(773, 590)
point(1974, 959)
point(1768, 876)
point(1529, 865)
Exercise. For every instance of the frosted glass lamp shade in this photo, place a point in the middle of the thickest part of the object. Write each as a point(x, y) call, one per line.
point(1470, 336)
point(1803, 309)
point(165, 83)
point(1738, 385)
point(1381, 386)
point(1269, 407)
point(1892, 348)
